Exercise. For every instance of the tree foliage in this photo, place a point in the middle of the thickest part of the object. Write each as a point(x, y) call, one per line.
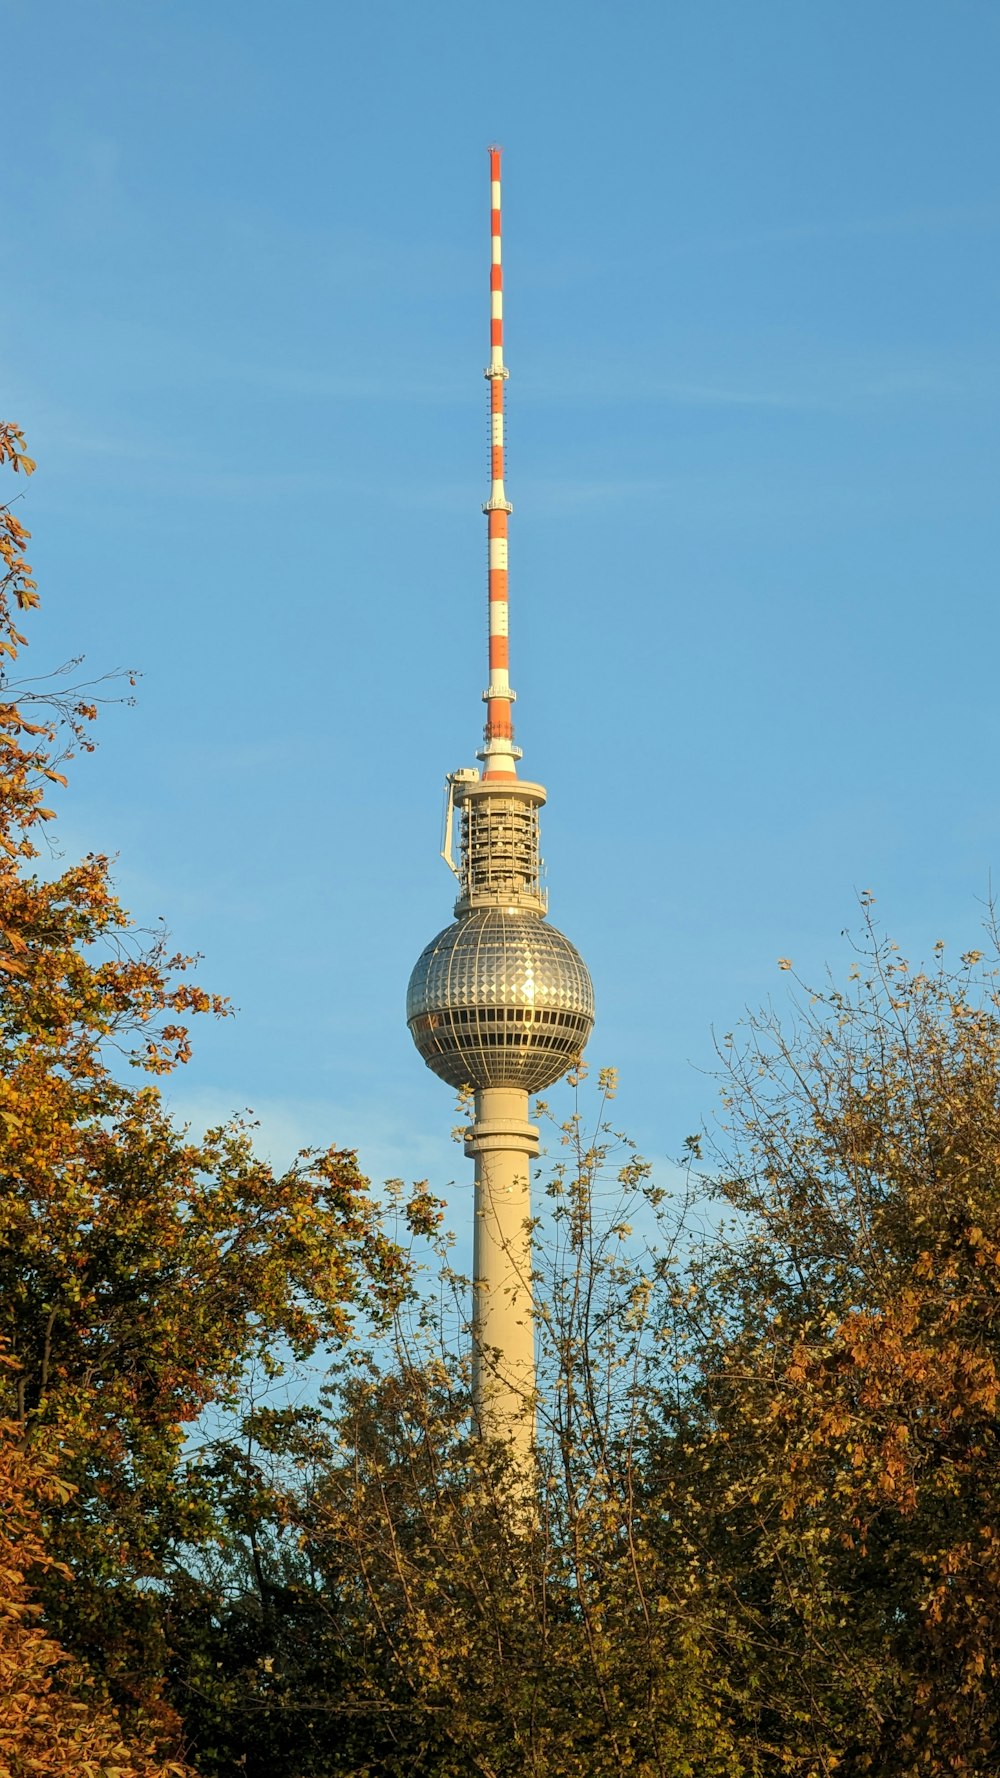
point(843, 1428)
point(141, 1270)
point(763, 1540)
point(464, 1629)
point(766, 1531)
point(52, 1718)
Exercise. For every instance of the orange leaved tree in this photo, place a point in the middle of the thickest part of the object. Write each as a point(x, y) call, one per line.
point(141, 1271)
point(52, 1719)
point(832, 1470)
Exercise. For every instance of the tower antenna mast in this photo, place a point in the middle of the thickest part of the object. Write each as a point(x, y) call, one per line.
point(499, 754)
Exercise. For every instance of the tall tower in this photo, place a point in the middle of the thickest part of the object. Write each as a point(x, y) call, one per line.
point(499, 1001)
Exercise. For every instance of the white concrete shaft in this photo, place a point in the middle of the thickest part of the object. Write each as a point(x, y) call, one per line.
point(504, 1145)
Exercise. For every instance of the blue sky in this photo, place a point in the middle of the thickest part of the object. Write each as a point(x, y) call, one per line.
point(752, 269)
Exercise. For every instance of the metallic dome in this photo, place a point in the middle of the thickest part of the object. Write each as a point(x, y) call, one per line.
point(500, 999)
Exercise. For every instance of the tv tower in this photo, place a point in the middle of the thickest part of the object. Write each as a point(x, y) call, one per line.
point(499, 1001)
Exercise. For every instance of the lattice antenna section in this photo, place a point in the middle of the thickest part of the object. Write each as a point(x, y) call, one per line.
point(500, 863)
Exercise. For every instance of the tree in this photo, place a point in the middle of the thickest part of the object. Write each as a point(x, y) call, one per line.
point(52, 1719)
point(141, 1271)
point(467, 1630)
point(766, 1537)
point(834, 1467)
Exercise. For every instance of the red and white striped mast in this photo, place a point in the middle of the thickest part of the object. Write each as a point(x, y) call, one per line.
point(499, 754)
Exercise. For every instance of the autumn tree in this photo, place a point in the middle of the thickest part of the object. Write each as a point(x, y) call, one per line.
point(141, 1270)
point(53, 1720)
point(766, 1530)
point(448, 1625)
point(764, 1535)
point(832, 1472)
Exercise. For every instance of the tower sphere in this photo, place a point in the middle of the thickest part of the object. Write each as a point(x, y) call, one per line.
point(500, 998)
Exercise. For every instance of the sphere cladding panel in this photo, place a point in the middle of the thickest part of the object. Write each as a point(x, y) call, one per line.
point(501, 998)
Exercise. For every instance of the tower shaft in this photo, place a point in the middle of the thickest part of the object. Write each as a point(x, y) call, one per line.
point(503, 1144)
